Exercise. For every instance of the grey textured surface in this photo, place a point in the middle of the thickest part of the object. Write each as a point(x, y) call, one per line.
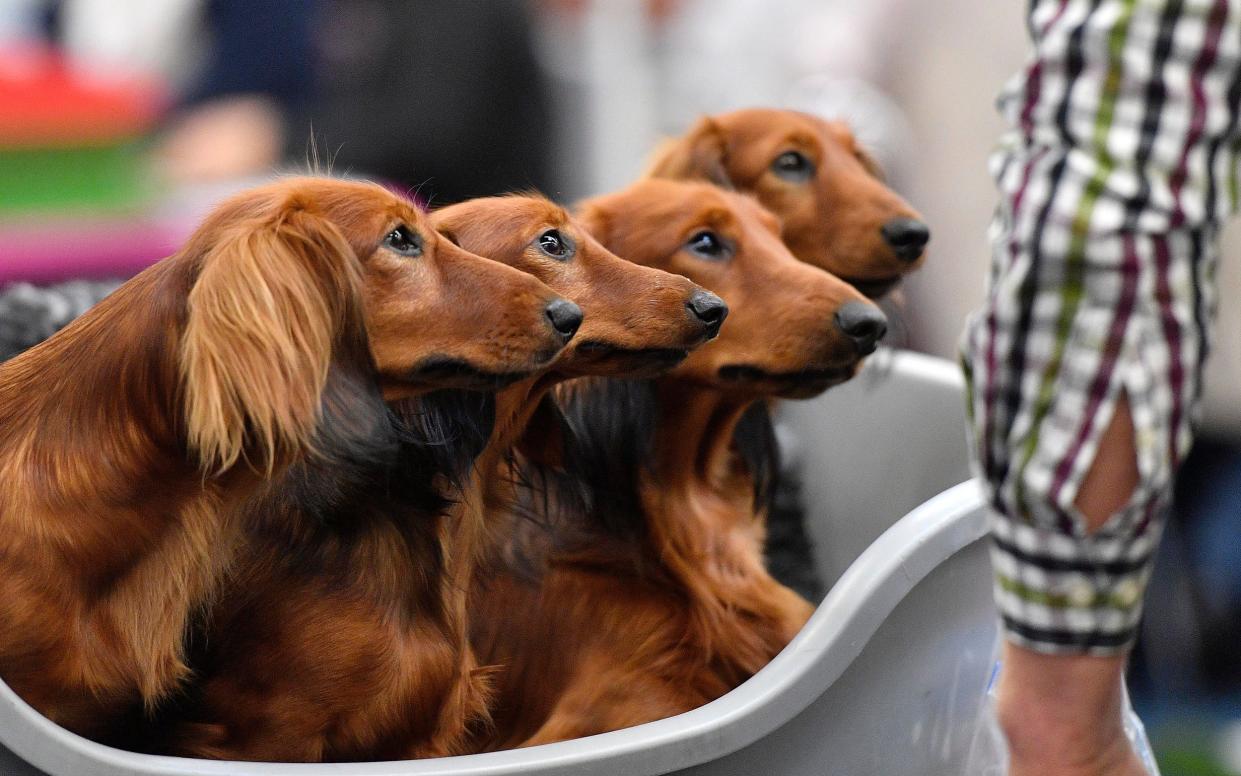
point(30, 314)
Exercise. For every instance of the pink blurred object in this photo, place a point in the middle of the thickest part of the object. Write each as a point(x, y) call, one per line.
point(55, 248)
point(83, 248)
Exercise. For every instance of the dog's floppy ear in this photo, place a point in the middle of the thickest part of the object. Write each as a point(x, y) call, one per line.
point(593, 216)
point(272, 296)
point(699, 154)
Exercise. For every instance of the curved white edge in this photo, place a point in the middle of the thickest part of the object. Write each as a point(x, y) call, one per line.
point(853, 610)
point(913, 366)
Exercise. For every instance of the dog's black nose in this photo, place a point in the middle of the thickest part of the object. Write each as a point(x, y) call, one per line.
point(906, 236)
point(863, 323)
point(708, 308)
point(565, 317)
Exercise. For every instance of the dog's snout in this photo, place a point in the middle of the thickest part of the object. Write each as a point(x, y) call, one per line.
point(565, 316)
point(906, 236)
point(863, 323)
point(708, 308)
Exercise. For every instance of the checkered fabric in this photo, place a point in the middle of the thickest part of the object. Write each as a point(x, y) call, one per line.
point(1120, 164)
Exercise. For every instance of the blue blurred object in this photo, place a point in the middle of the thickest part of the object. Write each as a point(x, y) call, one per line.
point(1215, 526)
point(1186, 673)
point(259, 48)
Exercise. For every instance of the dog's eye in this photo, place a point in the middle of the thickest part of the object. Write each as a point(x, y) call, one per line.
point(555, 244)
point(404, 242)
point(793, 166)
point(708, 245)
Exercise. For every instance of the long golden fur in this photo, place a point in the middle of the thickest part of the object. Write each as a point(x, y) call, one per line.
point(132, 441)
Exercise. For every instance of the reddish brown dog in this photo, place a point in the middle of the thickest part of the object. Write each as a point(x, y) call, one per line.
point(648, 597)
point(638, 320)
point(130, 440)
point(835, 210)
point(353, 647)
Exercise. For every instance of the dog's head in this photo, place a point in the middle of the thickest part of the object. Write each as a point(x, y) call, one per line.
point(300, 276)
point(794, 330)
point(836, 212)
point(638, 320)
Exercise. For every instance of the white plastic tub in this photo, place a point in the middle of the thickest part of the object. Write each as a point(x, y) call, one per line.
point(887, 678)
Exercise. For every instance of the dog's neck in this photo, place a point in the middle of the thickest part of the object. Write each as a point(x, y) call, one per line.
point(514, 407)
point(464, 535)
point(693, 455)
point(491, 488)
point(703, 525)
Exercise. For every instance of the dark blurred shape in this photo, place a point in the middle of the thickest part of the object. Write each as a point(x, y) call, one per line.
point(444, 97)
point(264, 48)
point(1207, 513)
point(1184, 673)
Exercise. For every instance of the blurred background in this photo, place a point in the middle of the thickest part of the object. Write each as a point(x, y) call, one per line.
point(122, 121)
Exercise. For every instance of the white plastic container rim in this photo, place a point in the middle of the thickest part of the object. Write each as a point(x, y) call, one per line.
point(846, 620)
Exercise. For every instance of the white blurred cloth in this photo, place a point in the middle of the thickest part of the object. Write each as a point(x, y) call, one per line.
point(825, 57)
point(109, 39)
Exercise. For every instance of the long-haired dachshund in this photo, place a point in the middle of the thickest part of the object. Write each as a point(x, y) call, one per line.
point(645, 595)
point(638, 320)
point(836, 212)
point(132, 441)
point(347, 641)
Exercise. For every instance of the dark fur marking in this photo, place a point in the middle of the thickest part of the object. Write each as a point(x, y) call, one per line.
point(755, 442)
point(608, 432)
point(462, 374)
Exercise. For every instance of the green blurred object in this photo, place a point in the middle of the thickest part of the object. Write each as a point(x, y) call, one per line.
point(70, 144)
point(1189, 745)
point(1189, 762)
point(109, 178)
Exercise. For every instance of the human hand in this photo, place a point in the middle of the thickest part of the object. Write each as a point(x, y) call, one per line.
point(1062, 715)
